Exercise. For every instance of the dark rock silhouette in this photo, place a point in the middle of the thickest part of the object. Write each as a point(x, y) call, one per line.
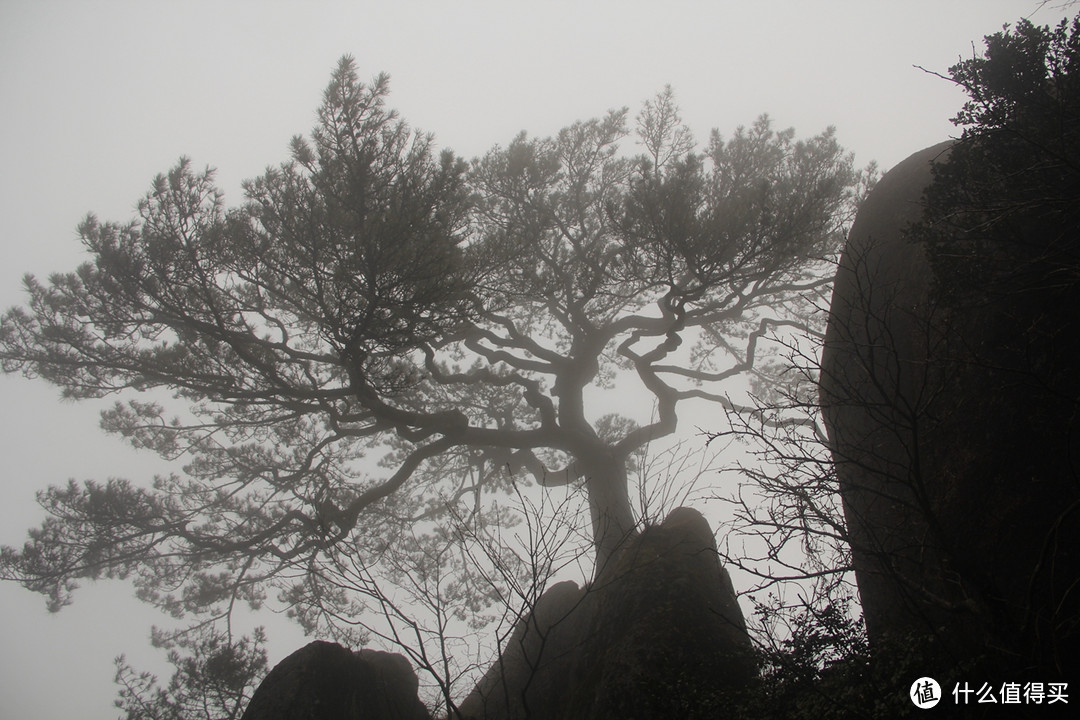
point(536, 669)
point(324, 681)
point(659, 633)
point(875, 358)
point(963, 521)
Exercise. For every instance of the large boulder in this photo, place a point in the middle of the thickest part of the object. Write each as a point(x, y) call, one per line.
point(667, 637)
point(963, 521)
point(325, 681)
point(532, 676)
point(658, 633)
point(874, 373)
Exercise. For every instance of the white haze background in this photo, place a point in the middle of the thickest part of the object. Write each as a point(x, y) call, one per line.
point(98, 97)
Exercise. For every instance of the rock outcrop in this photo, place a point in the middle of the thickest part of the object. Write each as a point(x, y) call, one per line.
point(963, 520)
point(533, 676)
point(324, 681)
point(875, 369)
point(659, 633)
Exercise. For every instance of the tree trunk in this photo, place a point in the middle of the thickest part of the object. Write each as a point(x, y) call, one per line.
point(609, 503)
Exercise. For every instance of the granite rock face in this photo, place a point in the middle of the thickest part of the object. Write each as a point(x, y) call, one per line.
point(324, 681)
point(964, 521)
point(659, 633)
point(874, 370)
point(536, 669)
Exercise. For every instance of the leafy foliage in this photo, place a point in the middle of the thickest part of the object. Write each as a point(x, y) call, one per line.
point(1002, 220)
point(1001, 230)
point(816, 667)
point(214, 678)
point(1002, 211)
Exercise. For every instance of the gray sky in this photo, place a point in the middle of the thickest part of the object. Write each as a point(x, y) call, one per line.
point(98, 97)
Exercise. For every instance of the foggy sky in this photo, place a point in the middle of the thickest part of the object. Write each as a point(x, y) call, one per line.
point(100, 96)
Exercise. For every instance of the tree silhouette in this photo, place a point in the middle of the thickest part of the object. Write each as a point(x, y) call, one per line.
point(380, 341)
point(214, 677)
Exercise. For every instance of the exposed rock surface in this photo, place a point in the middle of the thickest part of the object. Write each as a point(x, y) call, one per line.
point(324, 681)
point(874, 371)
point(533, 675)
point(659, 633)
point(962, 520)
